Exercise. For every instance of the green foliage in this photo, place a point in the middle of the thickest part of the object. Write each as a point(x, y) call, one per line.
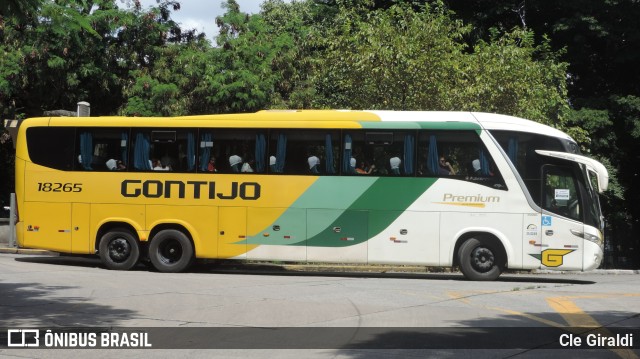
point(260, 60)
point(301, 54)
point(411, 57)
point(18, 9)
point(10, 76)
point(593, 129)
point(172, 86)
point(393, 59)
point(627, 111)
point(511, 75)
point(289, 25)
point(241, 73)
point(76, 50)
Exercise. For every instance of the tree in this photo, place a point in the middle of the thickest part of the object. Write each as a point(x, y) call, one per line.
point(290, 27)
point(509, 74)
point(392, 59)
point(409, 57)
point(19, 9)
point(240, 76)
point(172, 86)
point(55, 58)
point(81, 50)
point(38, 50)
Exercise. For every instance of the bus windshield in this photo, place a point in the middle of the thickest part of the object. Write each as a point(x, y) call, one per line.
point(529, 152)
point(593, 211)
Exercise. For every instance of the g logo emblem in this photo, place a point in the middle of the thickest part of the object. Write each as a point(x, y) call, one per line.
point(553, 257)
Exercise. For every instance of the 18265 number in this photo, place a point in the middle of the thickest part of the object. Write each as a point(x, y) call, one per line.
point(59, 187)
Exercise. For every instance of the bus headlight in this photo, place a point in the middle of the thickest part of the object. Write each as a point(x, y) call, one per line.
point(599, 239)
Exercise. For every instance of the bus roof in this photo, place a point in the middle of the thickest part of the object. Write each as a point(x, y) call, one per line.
point(322, 119)
point(492, 121)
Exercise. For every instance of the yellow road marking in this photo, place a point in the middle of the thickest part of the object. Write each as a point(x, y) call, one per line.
point(548, 322)
point(576, 317)
point(459, 296)
point(573, 315)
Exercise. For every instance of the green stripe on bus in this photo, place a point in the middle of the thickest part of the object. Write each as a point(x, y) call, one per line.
point(397, 125)
point(450, 125)
point(337, 207)
point(388, 197)
point(336, 193)
point(391, 125)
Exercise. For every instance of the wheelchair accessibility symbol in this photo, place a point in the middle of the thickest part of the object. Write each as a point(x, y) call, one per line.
point(546, 221)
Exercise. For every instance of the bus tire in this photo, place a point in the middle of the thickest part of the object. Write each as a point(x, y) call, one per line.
point(479, 260)
point(119, 250)
point(171, 251)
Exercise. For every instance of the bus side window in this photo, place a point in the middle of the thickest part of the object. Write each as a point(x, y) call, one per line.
point(102, 149)
point(379, 153)
point(304, 152)
point(236, 151)
point(444, 153)
point(164, 150)
point(51, 146)
point(460, 154)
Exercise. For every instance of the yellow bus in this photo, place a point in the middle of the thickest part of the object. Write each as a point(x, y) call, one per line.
point(481, 191)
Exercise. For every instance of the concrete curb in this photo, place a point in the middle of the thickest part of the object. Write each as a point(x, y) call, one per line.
point(10, 250)
point(595, 271)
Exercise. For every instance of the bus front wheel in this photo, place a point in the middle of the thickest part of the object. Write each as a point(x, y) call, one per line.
point(119, 250)
point(171, 251)
point(479, 260)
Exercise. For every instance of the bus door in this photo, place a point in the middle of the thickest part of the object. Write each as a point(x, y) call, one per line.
point(232, 232)
point(80, 233)
point(562, 227)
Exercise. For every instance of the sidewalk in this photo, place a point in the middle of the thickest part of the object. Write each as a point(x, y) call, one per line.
point(4, 242)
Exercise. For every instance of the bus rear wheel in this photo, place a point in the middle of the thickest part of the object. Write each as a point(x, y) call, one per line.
point(479, 260)
point(119, 250)
point(171, 251)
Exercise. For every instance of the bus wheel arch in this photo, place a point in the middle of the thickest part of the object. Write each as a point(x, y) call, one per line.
point(481, 256)
point(171, 248)
point(118, 246)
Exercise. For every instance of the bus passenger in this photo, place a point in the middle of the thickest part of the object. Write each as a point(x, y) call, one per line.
point(477, 169)
point(235, 162)
point(157, 166)
point(394, 163)
point(246, 167)
point(211, 167)
point(114, 165)
point(364, 169)
point(445, 168)
point(314, 164)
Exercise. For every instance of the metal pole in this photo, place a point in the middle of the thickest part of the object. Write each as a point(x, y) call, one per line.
point(12, 221)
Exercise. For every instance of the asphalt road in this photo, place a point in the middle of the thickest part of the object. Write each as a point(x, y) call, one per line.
point(185, 309)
